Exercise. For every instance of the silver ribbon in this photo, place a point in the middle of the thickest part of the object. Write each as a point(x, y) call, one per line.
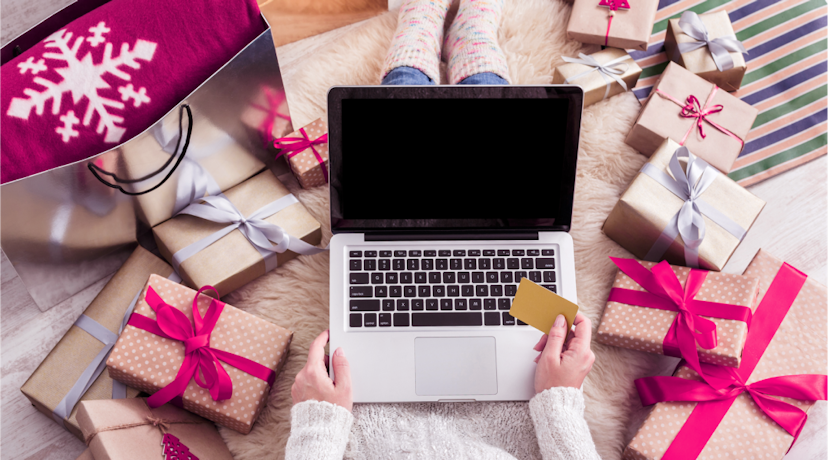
point(98, 364)
point(688, 222)
point(259, 233)
point(609, 71)
point(720, 48)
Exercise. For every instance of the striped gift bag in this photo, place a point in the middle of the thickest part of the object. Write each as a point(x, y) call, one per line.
point(786, 78)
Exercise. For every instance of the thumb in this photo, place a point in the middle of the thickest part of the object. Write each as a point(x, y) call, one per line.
point(342, 370)
point(557, 336)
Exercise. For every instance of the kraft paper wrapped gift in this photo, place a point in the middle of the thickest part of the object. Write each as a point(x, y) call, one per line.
point(78, 349)
point(268, 115)
point(598, 85)
point(625, 24)
point(306, 151)
point(673, 108)
point(645, 329)
point(726, 67)
point(153, 363)
point(233, 261)
point(736, 428)
point(130, 430)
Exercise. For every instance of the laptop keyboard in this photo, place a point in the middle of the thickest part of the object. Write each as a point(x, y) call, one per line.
point(432, 288)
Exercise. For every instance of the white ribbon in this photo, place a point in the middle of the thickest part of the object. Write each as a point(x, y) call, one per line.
point(259, 233)
point(688, 222)
point(609, 71)
point(692, 25)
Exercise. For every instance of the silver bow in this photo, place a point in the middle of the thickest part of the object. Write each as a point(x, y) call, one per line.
point(609, 71)
point(688, 184)
point(720, 48)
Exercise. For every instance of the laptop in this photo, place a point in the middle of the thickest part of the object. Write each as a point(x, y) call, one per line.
point(442, 199)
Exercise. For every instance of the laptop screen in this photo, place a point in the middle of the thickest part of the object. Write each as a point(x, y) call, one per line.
point(476, 158)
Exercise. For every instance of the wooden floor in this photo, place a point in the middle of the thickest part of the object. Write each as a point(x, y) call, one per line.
point(793, 226)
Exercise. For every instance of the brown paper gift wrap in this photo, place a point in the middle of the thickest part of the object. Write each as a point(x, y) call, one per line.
point(268, 115)
point(630, 28)
point(595, 87)
point(304, 164)
point(646, 207)
point(149, 362)
point(700, 61)
point(56, 375)
point(233, 261)
point(129, 430)
point(798, 347)
point(660, 119)
point(644, 329)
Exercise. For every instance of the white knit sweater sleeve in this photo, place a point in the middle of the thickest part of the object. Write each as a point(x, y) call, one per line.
point(563, 434)
point(318, 431)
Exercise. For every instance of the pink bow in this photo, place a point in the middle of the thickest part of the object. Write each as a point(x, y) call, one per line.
point(274, 100)
point(292, 146)
point(613, 6)
point(692, 109)
point(201, 361)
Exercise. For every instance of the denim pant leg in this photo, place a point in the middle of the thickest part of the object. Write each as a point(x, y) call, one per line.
point(485, 78)
point(406, 76)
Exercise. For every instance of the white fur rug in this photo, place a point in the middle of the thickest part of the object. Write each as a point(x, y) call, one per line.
point(295, 296)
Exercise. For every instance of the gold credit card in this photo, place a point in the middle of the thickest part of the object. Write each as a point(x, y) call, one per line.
point(537, 306)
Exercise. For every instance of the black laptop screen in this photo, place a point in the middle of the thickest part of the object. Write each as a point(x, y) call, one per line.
point(474, 163)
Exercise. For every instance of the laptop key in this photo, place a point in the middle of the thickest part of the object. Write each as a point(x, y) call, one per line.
point(491, 277)
point(399, 253)
point(496, 290)
point(535, 276)
point(463, 277)
point(381, 291)
point(482, 290)
point(430, 253)
point(401, 320)
point(390, 278)
point(395, 291)
point(532, 252)
point(508, 320)
point(484, 264)
point(449, 277)
point(444, 253)
point(498, 263)
point(427, 264)
point(370, 253)
point(492, 318)
point(453, 291)
point(460, 304)
point(420, 278)
point(548, 277)
point(406, 278)
point(488, 252)
point(521, 323)
point(439, 291)
point(415, 253)
point(388, 305)
point(359, 278)
point(365, 305)
point(510, 290)
point(385, 319)
point(434, 278)
point(370, 264)
point(503, 252)
point(474, 252)
point(445, 304)
point(503, 304)
point(505, 277)
point(548, 252)
point(376, 278)
point(442, 264)
point(512, 263)
point(362, 291)
point(424, 291)
point(370, 320)
point(356, 264)
point(446, 319)
point(356, 320)
point(475, 304)
point(384, 264)
point(402, 305)
point(527, 263)
point(431, 304)
point(545, 263)
point(489, 304)
point(399, 264)
point(467, 290)
point(518, 252)
point(459, 252)
point(456, 264)
point(478, 277)
point(519, 275)
point(355, 253)
point(551, 287)
point(413, 264)
point(385, 253)
point(410, 291)
point(470, 264)
point(417, 304)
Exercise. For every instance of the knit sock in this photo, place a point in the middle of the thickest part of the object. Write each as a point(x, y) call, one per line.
point(471, 42)
point(418, 37)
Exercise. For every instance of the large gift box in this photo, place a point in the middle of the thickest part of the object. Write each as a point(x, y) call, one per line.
point(268, 115)
point(707, 46)
point(651, 218)
point(71, 372)
point(130, 430)
point(684, 107)
point(754, 411)
point(615, 23)
point(306, 152)
point(649, 320)
point(600, 74)
point(224, 371)
point(230, 240)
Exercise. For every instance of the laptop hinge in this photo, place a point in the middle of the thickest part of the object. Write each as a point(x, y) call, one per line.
point(429, 236)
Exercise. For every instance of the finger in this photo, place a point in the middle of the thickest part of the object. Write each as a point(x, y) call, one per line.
point(582, 336)
point(541, 343)
point(316, 351)
point(342, 371)
point(537, 358)
point(557, 335)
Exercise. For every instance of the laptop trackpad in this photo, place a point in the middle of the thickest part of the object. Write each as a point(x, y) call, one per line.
point(447, 366)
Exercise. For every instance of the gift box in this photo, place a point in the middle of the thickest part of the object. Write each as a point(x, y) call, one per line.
point(651, 324)
point(306, 152)
point(236, 359)
point(211, 253)
point(614, 23)
point(599, 74)
point(268, 115)
point(58, 383)
point(684, 107)
point(131, 430)
point(645, 219)
point(707, 46)
point(693, 419)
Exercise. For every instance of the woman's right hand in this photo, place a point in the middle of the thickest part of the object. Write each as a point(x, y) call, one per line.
point(564, 363)
point(313, 383)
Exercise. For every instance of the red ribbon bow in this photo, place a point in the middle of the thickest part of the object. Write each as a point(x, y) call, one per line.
point(292, 146)
point(613, 6)
point(201, 361)
point(693, 109)
point(666, 293)
point(274, 100)
point(714, 403)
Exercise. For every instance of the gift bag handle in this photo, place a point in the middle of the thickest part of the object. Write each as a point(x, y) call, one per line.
point(97, 171)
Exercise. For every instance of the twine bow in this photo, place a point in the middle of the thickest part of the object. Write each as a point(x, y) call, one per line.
point(692, 109)
point(292, 146)
point(609, 71)
point(163, 426)
point(720, 48)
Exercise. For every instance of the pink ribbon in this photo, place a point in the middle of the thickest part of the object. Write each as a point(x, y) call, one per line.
point(613, 6)
point(666, 293)
point(201, 361)
point(274, 100)
point(713, 403)
point(292, 146)
point(692, 109)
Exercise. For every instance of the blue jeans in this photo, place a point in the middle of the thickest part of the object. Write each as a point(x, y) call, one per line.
point(412, 76)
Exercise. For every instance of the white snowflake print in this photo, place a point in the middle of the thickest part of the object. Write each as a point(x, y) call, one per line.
point(83, 78)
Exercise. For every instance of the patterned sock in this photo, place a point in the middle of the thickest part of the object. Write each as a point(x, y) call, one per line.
point(472, 41)
point(418, 38)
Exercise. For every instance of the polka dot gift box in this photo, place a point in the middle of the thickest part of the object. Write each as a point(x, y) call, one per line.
point(763, 404)
point(221, 363)
point(306, 151)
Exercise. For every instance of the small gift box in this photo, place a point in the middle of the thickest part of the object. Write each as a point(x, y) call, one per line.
point(680, 209)
point(72, 371)
point(306, 151)
point(603, 74)
point(682, 106)
point(268, 115)
point(229, 240)
point(614, 23)
point(130, 430)
point(642, 315)
point(757, 410)
point(218, 359)
point(706, 45)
